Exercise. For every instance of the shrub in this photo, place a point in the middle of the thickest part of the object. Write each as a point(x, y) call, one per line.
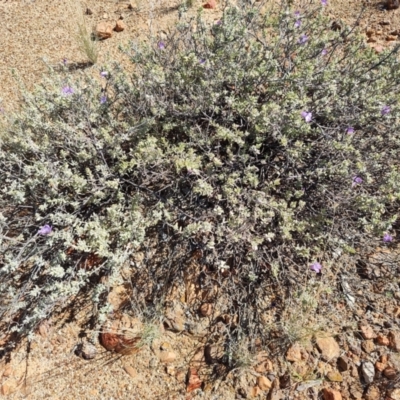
point(255, 145)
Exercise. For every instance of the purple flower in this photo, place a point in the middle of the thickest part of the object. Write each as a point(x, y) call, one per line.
point(103, 99)
point(297, 13)
point(202, 61)
point(297, 24)
point(64, 61)
point(356, 181)
point(324, 2)
point(104, 74)
point(45, 230)
point(303, 39)
point(219, 22)
point(324, 52)
point(350, 130)
point(316, 267)
point(387, 238)
point(161, 45)
point(385, 110)
point(307, 116)
point(67, 90)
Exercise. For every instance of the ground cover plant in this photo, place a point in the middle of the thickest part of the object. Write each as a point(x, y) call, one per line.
point(258, 149)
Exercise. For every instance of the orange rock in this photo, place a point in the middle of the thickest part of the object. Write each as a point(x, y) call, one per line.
point(367, 332)
point(104, 30)
point(382, 340)
point(264, 383)
point(390, 373)
point(119, 26)
point(328, 347)
point(130, 371)
point(294, 353)
point(380, 366)
point(331, 394)
point(206, 309)
point(210, 4)
point(167, 357)
point(193, 381)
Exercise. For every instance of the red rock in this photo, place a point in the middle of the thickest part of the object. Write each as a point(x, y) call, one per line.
point(331, 394)
point(193, 381)
point(210, 4)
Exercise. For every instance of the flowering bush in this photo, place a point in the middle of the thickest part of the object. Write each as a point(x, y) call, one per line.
point(257, 142)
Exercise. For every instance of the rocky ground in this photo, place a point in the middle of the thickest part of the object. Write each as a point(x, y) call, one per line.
point(350, 352)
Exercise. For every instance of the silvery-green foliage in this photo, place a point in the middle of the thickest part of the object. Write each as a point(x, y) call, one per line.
point(228, 137)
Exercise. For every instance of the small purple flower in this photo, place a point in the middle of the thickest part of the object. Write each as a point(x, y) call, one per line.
point(202, 61)
point(307, 116)
point(297, 24)
point(350, 130)
point(104, 74)
point(303, 39)
point(67, 90)
point(324, 52)
point(219, 22)
point(324, 2)
point(64, 61)
point(103, 99)
point(316, 267)
point(356, 181)
point(385, 110)
point(45, 230)
point(161, 45)
point(297, 13)
point(387, 238)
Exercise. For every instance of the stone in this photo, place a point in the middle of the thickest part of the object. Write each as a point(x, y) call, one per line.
point(264, 383)
point(206, 309)
point(394, 394)
point(334, 376)
point(331, 394)
point(88, 11)
point(367, 332)
point(382, 340)
point(328, 347)
point(255, 391)
point(368, 346)
point(394, 338)
point(373, 393)
point(193, 380)
point(343, 363)
point(391, 38)
point(213, 353)
point(170, 370)
point(104, 30)
point(119, 26)
point(392, 4)
point(167, 357)
point(294, 353)
point(88, 350)
point(380, 366)
point(377, 48)
point(211, 4)
point(390, 373)
point(368, 372)
point(130, 371)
